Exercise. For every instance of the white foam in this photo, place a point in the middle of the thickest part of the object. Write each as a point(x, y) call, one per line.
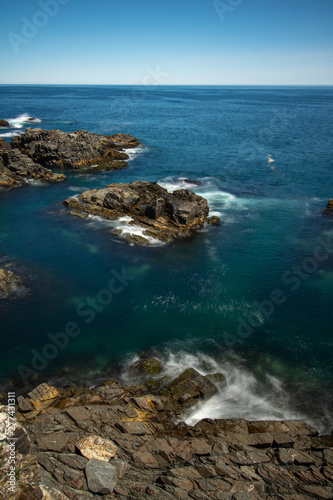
point(22, 120)
point(242, 395)
point(134, 152)
point(9, 134)
point(127, 228)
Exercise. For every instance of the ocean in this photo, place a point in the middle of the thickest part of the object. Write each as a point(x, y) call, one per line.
point(251, 298)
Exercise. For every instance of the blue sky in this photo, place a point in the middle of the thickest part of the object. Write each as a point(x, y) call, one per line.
point(185, 42)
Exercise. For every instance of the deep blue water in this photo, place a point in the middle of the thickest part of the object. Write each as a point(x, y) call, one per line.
point(191, 300)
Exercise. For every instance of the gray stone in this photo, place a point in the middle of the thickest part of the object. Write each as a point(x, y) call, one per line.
point(101, 476)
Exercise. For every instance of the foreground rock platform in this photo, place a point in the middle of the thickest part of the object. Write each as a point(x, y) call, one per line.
point(57, 149)
point(163, 215)
point(16, 169)
point(126, 442)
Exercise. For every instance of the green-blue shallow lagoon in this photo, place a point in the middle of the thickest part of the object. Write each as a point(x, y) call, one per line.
point(251, 298)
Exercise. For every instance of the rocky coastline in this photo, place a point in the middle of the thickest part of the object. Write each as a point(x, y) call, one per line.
point(33, 154)
point(130, 442)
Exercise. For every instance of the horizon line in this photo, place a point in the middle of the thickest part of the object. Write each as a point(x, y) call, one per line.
point(177, 85)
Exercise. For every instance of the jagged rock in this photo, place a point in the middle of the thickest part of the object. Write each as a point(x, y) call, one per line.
point(4, 123)
point(163, 215)
point(54, 148)
point(329, 209)
point(97, 447)
point(101, 476)
point(11, 286)
point(16, 168)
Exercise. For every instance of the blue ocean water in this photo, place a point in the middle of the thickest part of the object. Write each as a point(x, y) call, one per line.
point(251, 298)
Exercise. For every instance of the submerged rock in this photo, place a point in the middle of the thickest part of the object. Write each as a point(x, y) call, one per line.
point(16, 169)
point(146, 367)
point(11, 286)
point(214, 220)
point(163, 215)
point(54, 148)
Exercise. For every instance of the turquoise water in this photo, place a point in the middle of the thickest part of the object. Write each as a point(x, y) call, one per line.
point(196, 299)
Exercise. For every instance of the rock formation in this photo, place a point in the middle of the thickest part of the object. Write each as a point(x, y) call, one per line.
point(16, 168)
point(163, 215)
point(11, 286)
point(57, 149)
point(118, 441)
point(4, 123)
point(329, 209)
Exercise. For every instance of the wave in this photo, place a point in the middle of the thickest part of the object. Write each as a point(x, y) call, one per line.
point(134, 152)
point(123, 227)
point(22, 120)
point(9, 135)
point(241, 395)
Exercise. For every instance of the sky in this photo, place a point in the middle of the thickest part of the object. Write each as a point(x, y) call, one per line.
point(173, 42)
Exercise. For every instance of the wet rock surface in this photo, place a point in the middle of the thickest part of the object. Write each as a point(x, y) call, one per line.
point(57, 149)
point(163, 215)
point(4, 123)
point(16, 169)
point(116, 441)
point(11, 285)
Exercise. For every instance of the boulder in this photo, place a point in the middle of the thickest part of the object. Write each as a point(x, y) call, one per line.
point(214, 220)
point(146, 367)
point(97, 447)
point(4, 123)
point(163, 215)
point(54, 148)
point(101, 477)
point(189, 387)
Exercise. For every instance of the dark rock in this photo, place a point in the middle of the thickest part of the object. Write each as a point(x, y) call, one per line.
point(149, 366)
point(16, 168)
point(189, 387)
point(4, 123)
point(101, 476)
point(216, 378)
point(54, 148)
point(121, 467)
point(214, 220)
point(329, 209)
point(163, 215)
point(58, 442)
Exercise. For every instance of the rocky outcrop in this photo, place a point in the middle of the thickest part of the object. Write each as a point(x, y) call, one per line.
point(163, 215)
point(16, 169)
point(127, 442)
point(57, 149)
point(11, 286)
point(329, 209)
point(4, 123)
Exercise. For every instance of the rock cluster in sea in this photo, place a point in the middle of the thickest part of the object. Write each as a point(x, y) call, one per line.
point(329, 208)
point(54, 148)
point(163, 215)
point(117, 441)
point(16, 168)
